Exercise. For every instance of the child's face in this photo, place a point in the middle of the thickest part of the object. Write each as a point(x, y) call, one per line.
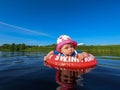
point(67, 49)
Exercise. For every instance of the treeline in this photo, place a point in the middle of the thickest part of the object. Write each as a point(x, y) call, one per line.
point(23, 47)
point(14, 47)
point(96, 50)
point(101, 50)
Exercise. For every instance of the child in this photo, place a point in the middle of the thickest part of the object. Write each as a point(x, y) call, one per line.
point(66, 47)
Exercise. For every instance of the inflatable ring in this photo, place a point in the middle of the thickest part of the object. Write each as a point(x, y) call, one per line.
point(69, 62)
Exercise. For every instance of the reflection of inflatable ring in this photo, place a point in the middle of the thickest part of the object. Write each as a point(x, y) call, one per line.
point(69, 62)
point(68, 79)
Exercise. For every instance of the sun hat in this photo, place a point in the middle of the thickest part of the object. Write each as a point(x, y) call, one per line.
point(64, 39)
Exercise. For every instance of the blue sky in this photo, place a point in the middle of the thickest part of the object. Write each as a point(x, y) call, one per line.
point(40, 22)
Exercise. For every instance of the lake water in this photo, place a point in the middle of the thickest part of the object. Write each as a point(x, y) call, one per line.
point(26, 71)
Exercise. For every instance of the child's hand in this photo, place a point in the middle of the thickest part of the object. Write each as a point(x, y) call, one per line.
point(85, 54)
point(45, 58)
point(48, 55)
point(82, 55)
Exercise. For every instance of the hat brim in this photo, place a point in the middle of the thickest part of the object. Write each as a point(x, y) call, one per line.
point(58, 47)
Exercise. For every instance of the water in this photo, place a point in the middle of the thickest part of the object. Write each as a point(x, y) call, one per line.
point(26, 71)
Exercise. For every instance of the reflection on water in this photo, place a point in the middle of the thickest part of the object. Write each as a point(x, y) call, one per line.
point(15, 54)
point(69, 79)
point(26, 71)
point(19, 59)
point(66, 79)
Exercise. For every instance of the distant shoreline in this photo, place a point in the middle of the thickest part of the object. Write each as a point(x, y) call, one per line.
point(94, 49)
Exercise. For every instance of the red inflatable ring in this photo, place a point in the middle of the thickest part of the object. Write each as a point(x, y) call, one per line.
point(70, 62)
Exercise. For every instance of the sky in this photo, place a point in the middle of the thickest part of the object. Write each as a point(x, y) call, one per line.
point(41, 22)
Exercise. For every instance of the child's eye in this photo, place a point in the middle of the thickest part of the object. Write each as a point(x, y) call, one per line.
point(66, 47)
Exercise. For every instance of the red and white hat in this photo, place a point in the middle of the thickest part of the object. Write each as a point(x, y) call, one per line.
point(64, 39)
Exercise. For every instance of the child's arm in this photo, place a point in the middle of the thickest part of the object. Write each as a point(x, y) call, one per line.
point(82, 55)
point(50, 53)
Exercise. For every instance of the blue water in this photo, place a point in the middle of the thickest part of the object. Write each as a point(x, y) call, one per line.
point(26, 71)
